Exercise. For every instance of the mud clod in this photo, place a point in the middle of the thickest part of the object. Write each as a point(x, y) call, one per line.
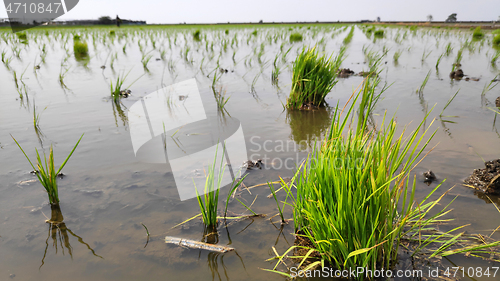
point(429, 177)
point(486, 180)
point(345, 72)
point(457, 75)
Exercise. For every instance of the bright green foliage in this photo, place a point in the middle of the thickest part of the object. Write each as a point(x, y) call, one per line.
point(477, 34)
point(295, 37)
point(196, 35)
point(379, 33)
point(46, 172)
point(314, 76)
point(81, 49)
point(496, 40)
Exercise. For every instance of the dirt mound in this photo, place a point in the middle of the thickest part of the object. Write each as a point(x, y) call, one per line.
point(457, 75)
point(486, 180)
point(345, 72)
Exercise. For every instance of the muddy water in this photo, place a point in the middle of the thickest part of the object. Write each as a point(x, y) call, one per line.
point(108, 193)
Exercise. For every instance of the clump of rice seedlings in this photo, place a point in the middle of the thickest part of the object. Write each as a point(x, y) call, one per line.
point(81, 50)
point(396, 56)
point(379, 33)
point(313, 77)
point(421, 89)
point(295, 37)
point(196, 35)
point(22, 36)
point(112, 33)
point(116, 88)
point(276, 71)
point(349, 36)
point(355, 203)
point(477, 34)
point(46, 172)
point(145, 60)
point(496, 40)
point(209, 201)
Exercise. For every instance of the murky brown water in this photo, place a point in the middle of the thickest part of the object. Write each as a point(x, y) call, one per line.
point(107, 193)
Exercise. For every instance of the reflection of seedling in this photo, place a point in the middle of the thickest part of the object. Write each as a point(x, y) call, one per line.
point(47, 174)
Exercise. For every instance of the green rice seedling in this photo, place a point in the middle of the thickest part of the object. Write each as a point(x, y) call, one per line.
point(313, 77)
point(495, 57)
point(490, 86)
point(209, 201)
point(379, 33)
point(354, 202)
point(220, 98)
point(196, 35)
point(421, 89)
point(295, 37)
point(271, 186)
point(46, 172)
point(477, 34)
point(446, 106)
point(369, 98)
point(438, 61)
point(276, 71)
point(496, 40)
point(62, 75)
point(425, 55)
point(458, 59)
point(22, 36)
point(116, 88)
point(349, 36)
point(81, 50)
point(145, 60)
point(448, 49)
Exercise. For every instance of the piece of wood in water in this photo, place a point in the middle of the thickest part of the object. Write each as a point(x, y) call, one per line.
point(197, 245)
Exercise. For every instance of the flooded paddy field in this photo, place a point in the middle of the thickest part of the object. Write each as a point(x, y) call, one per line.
point(51, 94)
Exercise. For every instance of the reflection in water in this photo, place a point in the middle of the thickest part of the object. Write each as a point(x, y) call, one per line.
point(488, 198)
point(59, 233)
point(117, 109)
point(307, 126)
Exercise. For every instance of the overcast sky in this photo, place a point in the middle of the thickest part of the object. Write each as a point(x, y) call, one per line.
point(212, 11)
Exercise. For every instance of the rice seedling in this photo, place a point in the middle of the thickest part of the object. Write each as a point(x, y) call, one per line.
point(81, 50)
point(354, 203)
point(379, 33)
point(458, 59)
point(209, 201)
point(422, 86)
point(448, 49)
point(196, 35)
point(271, 186)
point(62, 75)
point(490, 86)
point(22, 36)
point(496, 40)
point(438, 61)
point(46, 172)
point(349, 36)
point(313, 77)
point(446, 106)
point(116, 88)
point(425, 55)
point(495, 57)
point(145, 60)
point(295, 37)
point(477, 34)
point(220, 98)
point(368, 98)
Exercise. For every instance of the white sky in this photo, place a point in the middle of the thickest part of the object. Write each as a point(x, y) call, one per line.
point(212, 11)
